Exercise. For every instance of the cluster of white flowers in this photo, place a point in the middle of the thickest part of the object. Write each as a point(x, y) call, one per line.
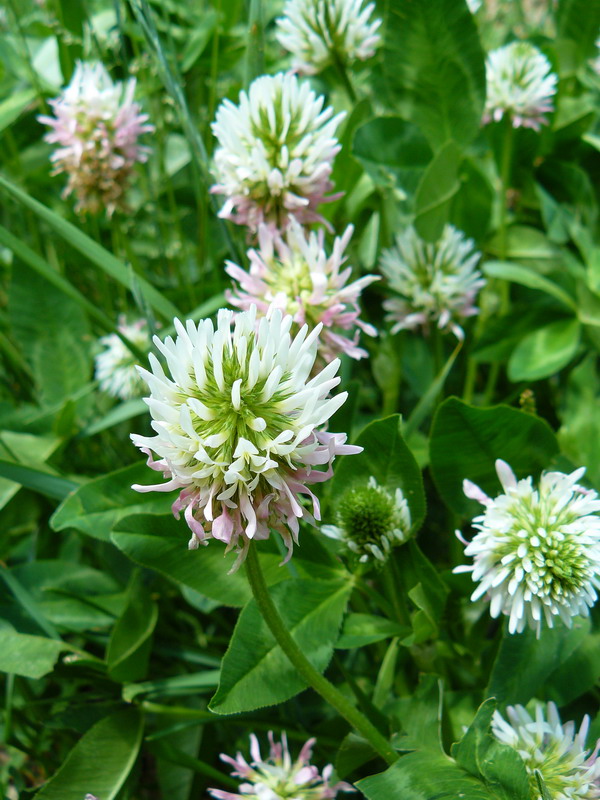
point(321, 32)
point(520, 84)
point(292, 272)
point(239, 426)
point(278, 777)
point(434, 282)
point(371, 521)
point(275, 154)
point(116, 370)
point(97, 126)
point(537, 551)
point(556, 751)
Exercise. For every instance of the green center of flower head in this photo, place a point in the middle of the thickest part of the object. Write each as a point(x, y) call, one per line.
point(367, 514)
point(291, 278)
point(237, 411)
point(278, 125)
point(555, 561)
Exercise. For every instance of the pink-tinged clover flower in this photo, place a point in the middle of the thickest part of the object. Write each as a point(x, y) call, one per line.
point(520, 84)
point(97, 126)
point(321, 32)
point(275, 153)
point(536, 555)
point(434, 282)
point(292, 272)
point(278, 777)
point(239, 426)
point(116, 370)
point(556, 751)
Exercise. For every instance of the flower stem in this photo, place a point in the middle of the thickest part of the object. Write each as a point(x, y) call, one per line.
point(343, 76)
point(314, 678)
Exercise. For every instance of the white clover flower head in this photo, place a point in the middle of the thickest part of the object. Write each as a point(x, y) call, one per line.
point(292, 272)
point(116, 366)
point(321, 32)
point(275, 154)
point(520, 84)
point(474, 5)
point(371, 520)
point(537, 551)
point(278, 777)
point(239, 426)
point(96, 125)
point(557, 751)
point(434, 282)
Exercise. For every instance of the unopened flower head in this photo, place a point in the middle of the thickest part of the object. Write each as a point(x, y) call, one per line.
point(292, 272)
point(97, 126)
point(434, 282)
point(239, 426)
point(520, 84)
point(116, 370)
point(276, 151)
point(537, 551)
point(556, 751)
point(321, 32)
point(371, 521)
point(278, 777)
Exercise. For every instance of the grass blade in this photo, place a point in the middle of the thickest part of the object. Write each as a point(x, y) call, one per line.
point(93, 251)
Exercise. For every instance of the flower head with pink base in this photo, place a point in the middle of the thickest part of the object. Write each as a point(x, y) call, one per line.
point(278, 777)
point(520, 84)
point(239, 426)
point(97, 126)
point(292, 272)
point(275, 154)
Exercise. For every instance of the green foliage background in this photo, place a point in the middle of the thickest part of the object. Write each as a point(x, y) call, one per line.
point(113, 637)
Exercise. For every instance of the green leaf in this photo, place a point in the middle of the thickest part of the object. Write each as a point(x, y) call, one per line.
point(499, 765)
point(434, 67)
point(428, 592)
point(129, 646)
point(424, 776)
point(53, 333)
point(255, 671)
point(38, 479)
point(98, 505)
point(436, 189)
point(579, 435)
point(29, 656)
point(13, 106)
point(362, 629)
point(118, 414)
point(466, 441)
point(545, 351)
point(420, 717)
point(387, 458)
point(93, 251)
point(528, 277)
point(393, 151)
point(584, 663)
point(192, 683)
point(37, 263)
point(579, 21)
point(161, 543)
point(27, 448)
point(100, 762)
point(524, 663)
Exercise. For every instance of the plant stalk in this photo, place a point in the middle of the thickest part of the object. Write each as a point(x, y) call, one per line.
point(297, 658)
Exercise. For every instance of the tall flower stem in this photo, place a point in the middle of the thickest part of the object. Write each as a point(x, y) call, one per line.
point(314, 678)
point(342, 73)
